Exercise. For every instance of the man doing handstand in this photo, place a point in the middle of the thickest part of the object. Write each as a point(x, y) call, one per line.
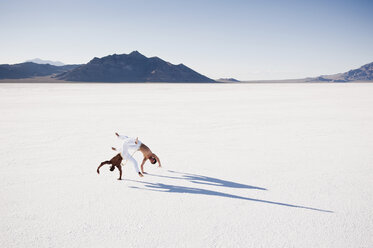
point(115, 162)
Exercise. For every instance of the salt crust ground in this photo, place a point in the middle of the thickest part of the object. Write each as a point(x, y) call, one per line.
point(273, 165)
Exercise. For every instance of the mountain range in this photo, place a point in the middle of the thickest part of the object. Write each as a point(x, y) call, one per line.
point(133, 67)
point(364, 73)
point(30, 69)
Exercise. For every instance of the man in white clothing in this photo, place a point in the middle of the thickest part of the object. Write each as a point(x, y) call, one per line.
point(129, 144)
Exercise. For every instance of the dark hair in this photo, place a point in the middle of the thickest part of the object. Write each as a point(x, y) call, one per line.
point(112, 168)
point(153, 160)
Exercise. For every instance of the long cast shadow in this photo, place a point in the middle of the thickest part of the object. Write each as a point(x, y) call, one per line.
point(161, 187)
point(207, 180)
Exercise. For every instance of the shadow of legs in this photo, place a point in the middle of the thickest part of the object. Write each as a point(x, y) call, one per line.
point(161, 187)
point(199, 179)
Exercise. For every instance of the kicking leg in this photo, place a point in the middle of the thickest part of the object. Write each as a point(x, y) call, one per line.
point(133, 161)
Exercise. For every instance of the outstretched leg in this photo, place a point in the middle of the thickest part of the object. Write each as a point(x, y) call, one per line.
point(133, 161)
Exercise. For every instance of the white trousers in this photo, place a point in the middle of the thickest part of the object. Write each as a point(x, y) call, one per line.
point(133, 161)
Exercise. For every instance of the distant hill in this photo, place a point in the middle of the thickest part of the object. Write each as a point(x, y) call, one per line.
point(133, 67)
point(364, 73)
point(228, 80)
point(41, 61)
point(30, 69)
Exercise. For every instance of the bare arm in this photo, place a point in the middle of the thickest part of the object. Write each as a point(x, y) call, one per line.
point(159, 161)
point(102, 164)
point(120, 172)
point(142, 165)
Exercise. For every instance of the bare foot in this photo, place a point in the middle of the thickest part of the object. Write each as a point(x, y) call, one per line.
point(119, 178)
point(141, 175)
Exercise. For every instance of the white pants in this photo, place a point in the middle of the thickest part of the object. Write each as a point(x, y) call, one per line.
point(130, 143)
point(133, 161)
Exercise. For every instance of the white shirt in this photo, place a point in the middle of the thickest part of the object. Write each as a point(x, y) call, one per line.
point(128, 143)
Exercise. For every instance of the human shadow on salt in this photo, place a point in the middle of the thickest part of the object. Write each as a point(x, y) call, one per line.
point(168, 188)
point(199, 179)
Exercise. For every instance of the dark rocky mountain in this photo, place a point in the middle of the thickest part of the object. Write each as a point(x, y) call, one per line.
point(30, 69)
point(133, 67)
point(364, 73)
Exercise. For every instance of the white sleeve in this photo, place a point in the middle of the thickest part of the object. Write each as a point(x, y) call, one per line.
point(130, 141)
point(133, 145)
point(123, 137)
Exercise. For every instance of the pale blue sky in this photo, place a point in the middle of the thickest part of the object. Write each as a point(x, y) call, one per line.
point(268, 39)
